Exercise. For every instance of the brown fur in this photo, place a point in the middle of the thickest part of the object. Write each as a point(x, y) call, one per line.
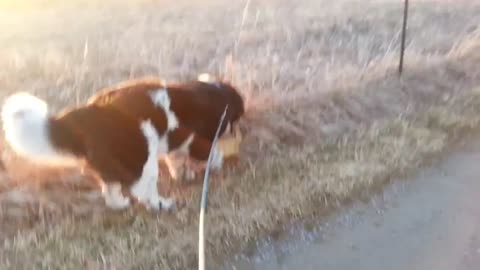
point(106, 133)
point(197, 105)
point(109, 140)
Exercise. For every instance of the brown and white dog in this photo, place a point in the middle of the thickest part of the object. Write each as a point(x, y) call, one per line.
point(198, 105)
point(120, 133)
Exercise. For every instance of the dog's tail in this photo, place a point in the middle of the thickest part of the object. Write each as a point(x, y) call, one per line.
point(26, 126)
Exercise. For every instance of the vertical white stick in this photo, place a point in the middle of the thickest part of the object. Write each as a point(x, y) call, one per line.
point(203, 203)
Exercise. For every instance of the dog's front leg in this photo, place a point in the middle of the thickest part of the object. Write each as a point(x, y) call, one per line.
point(184, 141)
point(145, 188)
point(171, 166)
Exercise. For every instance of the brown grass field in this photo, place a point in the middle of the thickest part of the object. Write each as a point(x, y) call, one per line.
point(329, 121)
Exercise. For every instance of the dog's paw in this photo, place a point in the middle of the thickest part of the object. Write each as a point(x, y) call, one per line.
point(118, 204)
point(168, 204)
point(114, 199)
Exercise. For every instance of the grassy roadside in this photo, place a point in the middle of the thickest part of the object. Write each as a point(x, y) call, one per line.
point(309, 182)
point(294, 183)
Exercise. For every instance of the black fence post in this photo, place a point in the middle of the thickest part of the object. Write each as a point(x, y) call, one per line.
point(404, 33)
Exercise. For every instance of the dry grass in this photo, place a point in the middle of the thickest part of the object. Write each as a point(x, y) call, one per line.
point(328, 119)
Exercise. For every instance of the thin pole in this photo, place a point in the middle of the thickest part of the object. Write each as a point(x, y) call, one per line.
point(404, 33)
point(203, 203)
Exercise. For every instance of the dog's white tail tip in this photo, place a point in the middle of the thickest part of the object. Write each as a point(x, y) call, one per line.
point(23, 102)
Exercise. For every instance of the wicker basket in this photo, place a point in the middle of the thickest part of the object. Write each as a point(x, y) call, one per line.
point(230, 145)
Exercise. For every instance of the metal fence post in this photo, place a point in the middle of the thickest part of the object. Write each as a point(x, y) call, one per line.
point(404, 33)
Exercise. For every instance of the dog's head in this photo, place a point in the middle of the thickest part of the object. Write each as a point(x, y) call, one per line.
point(236, 105)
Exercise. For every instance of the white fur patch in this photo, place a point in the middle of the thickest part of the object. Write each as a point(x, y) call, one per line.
point(217, 158)
point(114, 199)
point(26, 126)
point(161, 99)
point(208, 78)
point(205, 77)
point(145, 189)
point(162, 148)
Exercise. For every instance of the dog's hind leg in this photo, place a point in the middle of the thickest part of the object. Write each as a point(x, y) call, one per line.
point(111, 191)
point(114, 198)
